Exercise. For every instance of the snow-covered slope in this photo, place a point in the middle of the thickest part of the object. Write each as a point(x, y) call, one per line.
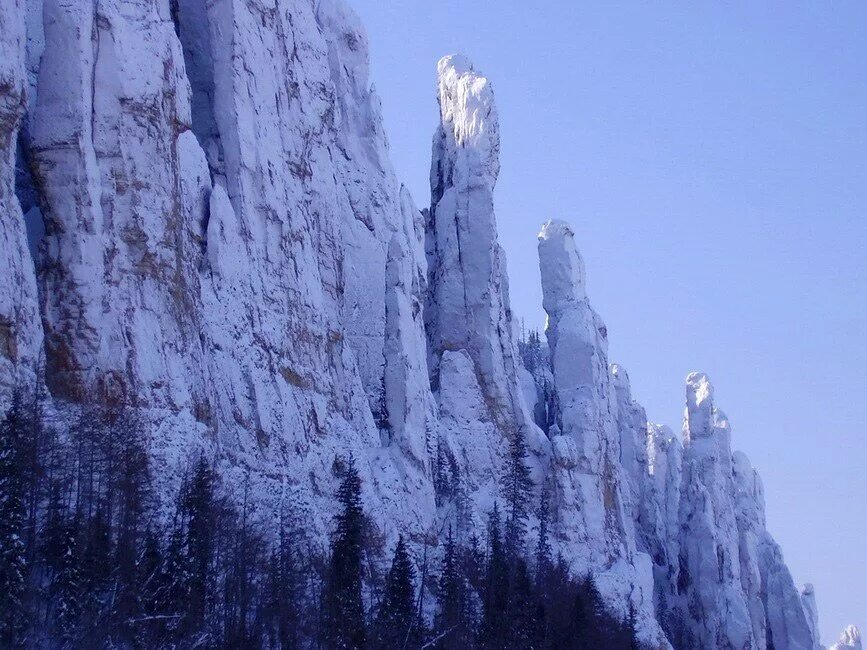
point(227, 250)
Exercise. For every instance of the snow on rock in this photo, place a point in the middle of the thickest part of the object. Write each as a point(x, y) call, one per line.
point(578, 341)
point(226, 242)
point(409, 403)
point(475, 368)
point(120, 270)
point(787, 624)
point(20, 326)
point(740, 592)
point(658, 520)
point(593, 503)
point(227, 251)
point(749, 504)
point(468, 295)
point(850, 639)
point(710, 571)
point(776, 607)
point(632, 426)
point(811, 611)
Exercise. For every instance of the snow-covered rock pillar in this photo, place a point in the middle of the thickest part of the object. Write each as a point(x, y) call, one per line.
point(20, 330)
point(408, 400)
point(120, 266)
point(585, 443)
point(788, 625)
point(749, 504)
point(578, 341)
point(850, 639)
point(710, 573)
point(590, 481)
point(468, 299)
point(632, 427)
point(777, 608)
point(811, 612)
point(659, 525)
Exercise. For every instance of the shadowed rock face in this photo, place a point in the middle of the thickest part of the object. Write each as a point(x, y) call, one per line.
point(20, 327)
point(227, 251)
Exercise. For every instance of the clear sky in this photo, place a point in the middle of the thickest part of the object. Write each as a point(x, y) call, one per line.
point(712, 158)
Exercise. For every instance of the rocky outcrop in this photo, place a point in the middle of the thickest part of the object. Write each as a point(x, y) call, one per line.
point(631, 422)
point(227, 251)
point(468, 300)
point(710, 572)
point(811, 612)
point(749, 505)
point(727, 586)
point(119, 275)
point(594, 417)
point(659, 519)
point(228, 247)
point(850, 639)
point(473, 357)
point(20, 326)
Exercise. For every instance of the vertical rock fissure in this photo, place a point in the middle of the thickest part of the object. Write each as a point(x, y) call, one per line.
point(192, 26)
point(29, 195)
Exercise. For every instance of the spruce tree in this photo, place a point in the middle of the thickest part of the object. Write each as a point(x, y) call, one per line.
point(396, 624)
point(96, 569)
point(493, 632)
point(285, 590)
point(453, 624)
point(517, 486)
point(199, 508)
point(240, 565)
point(150, 591)
point(66, 587)
point(521, 612)
point(51, 550)
point(343, 624)
point(542, 561)
point(169, 599)
point(134, 488)
point(473, 563)
point(13, 564)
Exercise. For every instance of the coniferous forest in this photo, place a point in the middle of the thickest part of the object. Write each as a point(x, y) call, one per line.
point(89, 558)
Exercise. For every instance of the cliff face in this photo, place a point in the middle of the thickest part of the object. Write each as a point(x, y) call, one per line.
point(20, 327)
point(220, 243)
point(226, 247)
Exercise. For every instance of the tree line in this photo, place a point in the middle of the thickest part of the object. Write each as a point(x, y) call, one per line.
point(89, 558)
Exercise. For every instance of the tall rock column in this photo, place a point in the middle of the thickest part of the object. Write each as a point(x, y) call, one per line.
point(850, 639)
point(631, 421)
point(811, 611)
point(590, 483)
point(20, 330)
point(119, 272)
point(749, 503)
point(468, 300)
point(710, 571)
point(658, 522)
point(585, 440)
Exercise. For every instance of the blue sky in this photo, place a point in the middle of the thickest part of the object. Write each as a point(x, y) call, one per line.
point(712, 158)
